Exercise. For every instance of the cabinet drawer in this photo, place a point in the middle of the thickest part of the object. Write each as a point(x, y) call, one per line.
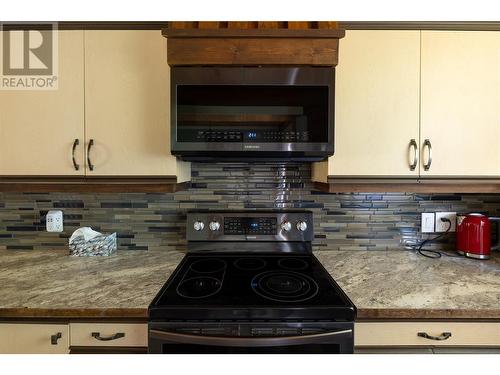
point(108, 334)
point(394, 334)
point(34, 338)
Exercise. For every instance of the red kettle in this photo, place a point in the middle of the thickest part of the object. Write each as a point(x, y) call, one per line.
point(474, 235)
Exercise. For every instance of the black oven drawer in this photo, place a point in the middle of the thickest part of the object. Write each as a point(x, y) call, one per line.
point(271, 338)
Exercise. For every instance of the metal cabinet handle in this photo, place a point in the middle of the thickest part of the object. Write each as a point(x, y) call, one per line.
point(97, 336)
point(75, 164)
point(427, 143)
point(441, 337)
point(55, 338)
point(91, 166)
point(413, 144)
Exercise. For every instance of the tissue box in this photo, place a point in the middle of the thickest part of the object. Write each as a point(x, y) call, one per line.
point(100, 245)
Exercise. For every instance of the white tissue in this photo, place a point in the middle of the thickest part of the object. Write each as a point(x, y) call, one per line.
point(87, 233)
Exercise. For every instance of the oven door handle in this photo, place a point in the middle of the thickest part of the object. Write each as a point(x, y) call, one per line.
point(245, 341)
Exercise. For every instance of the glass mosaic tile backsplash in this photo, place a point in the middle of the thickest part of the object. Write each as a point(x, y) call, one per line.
point(361, 221)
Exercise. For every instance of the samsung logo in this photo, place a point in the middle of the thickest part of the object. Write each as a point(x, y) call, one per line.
point(251, 146)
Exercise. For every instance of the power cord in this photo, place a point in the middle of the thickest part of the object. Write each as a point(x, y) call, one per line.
point(434, 254)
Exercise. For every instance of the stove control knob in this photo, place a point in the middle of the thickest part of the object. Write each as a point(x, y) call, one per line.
point(198, 225)
point(214, 225)
point(286, 226)
point(301, 225)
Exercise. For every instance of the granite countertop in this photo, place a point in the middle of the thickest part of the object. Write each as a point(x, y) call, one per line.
point(405, 285)
point(382, 284)
point(53, 284)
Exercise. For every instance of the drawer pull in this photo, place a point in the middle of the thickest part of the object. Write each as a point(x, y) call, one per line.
point(55, 338)
point(97, 336)
point(441, 337)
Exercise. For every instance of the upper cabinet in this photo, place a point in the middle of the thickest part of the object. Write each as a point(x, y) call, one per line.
point(376, 106)
point(416, 104)
point(460, 108)
point(38, 128)
point(127, 104)
point(111, 112)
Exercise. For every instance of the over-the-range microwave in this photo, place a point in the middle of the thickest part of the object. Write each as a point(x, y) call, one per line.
point(252, 113)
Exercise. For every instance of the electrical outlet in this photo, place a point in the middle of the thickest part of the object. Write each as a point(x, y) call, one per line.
point(427, 222)
point(441, 226)
point(54, 221)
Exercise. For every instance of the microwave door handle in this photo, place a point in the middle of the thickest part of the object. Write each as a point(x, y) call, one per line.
point(245, 341)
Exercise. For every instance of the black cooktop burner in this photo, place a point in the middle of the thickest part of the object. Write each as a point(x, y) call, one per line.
point(284, 286)
point(250, 263)
point(199, 287)
point(208, 265)
point(292, 263)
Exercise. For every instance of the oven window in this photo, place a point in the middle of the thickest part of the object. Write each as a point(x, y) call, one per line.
point(246, 113)
point(292, 349)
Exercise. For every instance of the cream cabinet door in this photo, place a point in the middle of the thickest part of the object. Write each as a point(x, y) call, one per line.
point(109, 334)
point(460, 110)
point(38, 128)
point(34, 338)
point(127, 97)
point(376, 105)
point(427, 334)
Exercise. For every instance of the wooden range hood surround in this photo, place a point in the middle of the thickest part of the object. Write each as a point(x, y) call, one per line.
point(253, 43)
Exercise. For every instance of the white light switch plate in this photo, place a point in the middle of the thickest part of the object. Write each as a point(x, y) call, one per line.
point(427, 222)
point(441, 226)
point(54, 221)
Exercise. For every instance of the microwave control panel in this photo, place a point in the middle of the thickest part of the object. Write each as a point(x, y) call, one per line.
point(259, 136)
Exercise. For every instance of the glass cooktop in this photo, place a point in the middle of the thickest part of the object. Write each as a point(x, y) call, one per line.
point(239, 286)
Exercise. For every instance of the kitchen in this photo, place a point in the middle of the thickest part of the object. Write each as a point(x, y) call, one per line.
point(186, 163)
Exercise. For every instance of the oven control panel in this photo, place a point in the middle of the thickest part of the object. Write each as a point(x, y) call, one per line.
point(248, 226)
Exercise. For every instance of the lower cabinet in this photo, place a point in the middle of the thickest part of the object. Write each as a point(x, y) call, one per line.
point(21, 338)
point(369, 337)
point(38, 338)
point(427, 334)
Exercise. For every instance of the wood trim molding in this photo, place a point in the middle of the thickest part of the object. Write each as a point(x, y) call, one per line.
point(87, 25)
point(394, 314)
point(252, 51)
point(92, 184)
point(346, 25)
point(135, 315)
point(252, 43)
point(254, 33)
point(420, 25)
point(73, 313)
point(411, 186)
point(244, 47)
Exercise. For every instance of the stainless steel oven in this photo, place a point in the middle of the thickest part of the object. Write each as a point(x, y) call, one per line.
point(249, 283)
point(246, 113)
point(252, 338)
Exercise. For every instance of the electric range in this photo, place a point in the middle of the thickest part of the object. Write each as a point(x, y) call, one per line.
point(250, 284)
